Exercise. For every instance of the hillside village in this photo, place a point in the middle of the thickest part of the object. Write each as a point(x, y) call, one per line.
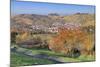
point(49, 23)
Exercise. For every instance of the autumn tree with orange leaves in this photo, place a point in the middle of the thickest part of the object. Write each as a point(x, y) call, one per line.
point(69, 39)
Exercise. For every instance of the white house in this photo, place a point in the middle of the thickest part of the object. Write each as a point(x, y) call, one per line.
point(53, 29)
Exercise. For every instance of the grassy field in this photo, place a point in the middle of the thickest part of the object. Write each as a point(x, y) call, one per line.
point(62, 57)
point(22, 60)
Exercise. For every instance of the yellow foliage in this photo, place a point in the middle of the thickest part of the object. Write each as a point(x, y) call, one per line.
point(22, 37)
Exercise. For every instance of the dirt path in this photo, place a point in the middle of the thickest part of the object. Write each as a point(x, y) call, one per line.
point(40, 56)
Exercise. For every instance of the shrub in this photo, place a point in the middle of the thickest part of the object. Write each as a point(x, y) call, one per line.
point(13, 37)
point(22, 37)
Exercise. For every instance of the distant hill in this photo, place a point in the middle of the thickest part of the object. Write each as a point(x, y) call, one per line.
point(81, 18)
point(25, 21)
